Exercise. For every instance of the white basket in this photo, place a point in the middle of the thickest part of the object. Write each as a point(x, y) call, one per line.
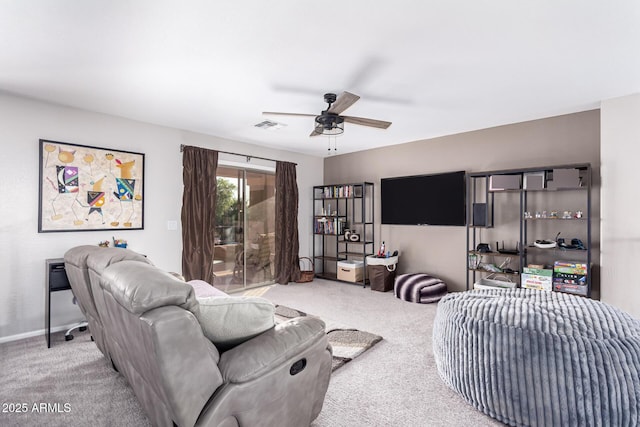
point(390, 262)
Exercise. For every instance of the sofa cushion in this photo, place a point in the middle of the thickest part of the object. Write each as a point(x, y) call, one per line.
point(229, 321)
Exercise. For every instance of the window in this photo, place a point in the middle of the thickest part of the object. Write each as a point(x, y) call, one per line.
point(245, 228)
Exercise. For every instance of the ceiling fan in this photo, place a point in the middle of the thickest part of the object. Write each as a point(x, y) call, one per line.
point(330, 122)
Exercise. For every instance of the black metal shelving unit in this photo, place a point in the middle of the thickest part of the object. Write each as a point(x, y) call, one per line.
point(337, 208)
point(534, 222)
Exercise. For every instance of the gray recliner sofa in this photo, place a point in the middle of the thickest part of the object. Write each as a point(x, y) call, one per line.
point(87, 291)
point(75, 260)
point(155, 339)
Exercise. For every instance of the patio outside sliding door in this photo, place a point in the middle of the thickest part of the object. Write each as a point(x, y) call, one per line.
point(245, 229)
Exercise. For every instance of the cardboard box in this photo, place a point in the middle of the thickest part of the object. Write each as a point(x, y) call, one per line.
point(504, 182)
point(534, 181)
point(350, 271)
point(570, 288)
point(537, 278)
point(570, 268)
point(565, 178)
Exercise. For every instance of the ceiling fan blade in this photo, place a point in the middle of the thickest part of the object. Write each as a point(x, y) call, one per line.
point(273, 113)
point(343, 102)
point(314, 133)
point(367, 122)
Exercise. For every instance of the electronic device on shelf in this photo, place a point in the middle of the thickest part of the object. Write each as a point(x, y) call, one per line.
point(508, 251)
point(483, 247)
point(576, 244)
point(545, 244)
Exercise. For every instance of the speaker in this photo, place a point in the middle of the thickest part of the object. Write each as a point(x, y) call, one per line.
point(58, 279)
point(480, 214)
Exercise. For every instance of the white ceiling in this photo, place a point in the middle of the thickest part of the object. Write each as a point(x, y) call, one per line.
point(432, 68)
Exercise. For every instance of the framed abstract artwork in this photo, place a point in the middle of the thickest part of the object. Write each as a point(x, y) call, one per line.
point(84, 188)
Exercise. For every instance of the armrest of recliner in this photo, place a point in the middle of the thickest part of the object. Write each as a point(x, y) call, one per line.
point(261, 354)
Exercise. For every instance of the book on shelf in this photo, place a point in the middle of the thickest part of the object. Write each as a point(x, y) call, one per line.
point(328, 225)
point(339, 191)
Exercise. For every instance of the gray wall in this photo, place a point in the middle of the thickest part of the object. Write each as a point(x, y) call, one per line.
point(440, 250)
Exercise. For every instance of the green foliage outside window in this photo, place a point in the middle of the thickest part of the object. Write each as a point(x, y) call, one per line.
point(227, 204)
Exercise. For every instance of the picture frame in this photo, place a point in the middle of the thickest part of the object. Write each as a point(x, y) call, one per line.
point(86, 188)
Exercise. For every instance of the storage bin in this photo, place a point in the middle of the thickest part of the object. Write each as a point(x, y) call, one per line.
point(350, 271)
point(485, 283)
point(381, 272)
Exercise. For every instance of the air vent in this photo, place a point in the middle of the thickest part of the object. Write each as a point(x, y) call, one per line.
point(269, 125)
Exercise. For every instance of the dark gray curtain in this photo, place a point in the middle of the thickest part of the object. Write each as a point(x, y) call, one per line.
point(287, 267)
point(198, 212)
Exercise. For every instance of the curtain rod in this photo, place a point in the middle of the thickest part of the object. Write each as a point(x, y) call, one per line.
point(238, 154)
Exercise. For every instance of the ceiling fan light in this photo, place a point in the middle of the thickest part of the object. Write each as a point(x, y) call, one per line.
point(329, 125)
point(335, 129)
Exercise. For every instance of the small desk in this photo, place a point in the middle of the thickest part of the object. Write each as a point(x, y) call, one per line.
point(55, 280)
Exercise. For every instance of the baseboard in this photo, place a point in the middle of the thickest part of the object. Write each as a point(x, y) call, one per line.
point(36, 333)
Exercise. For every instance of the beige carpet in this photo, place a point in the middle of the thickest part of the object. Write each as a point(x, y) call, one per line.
point(69, 384)
point(394, 384)
point(347, 344)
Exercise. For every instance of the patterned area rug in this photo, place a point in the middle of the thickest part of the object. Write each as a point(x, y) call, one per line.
point(347, 344)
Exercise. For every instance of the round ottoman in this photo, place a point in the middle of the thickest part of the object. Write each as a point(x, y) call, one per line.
point(419, 287)
point(534, 358)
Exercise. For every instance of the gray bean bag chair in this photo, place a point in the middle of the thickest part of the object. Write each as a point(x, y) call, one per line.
point(533, 358)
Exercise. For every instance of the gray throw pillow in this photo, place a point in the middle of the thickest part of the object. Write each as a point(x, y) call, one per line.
point(228, 321)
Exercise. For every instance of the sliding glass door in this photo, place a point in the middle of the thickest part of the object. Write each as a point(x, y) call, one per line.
point(245, 225)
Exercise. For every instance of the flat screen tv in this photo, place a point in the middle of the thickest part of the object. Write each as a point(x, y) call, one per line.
point(437, 199)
